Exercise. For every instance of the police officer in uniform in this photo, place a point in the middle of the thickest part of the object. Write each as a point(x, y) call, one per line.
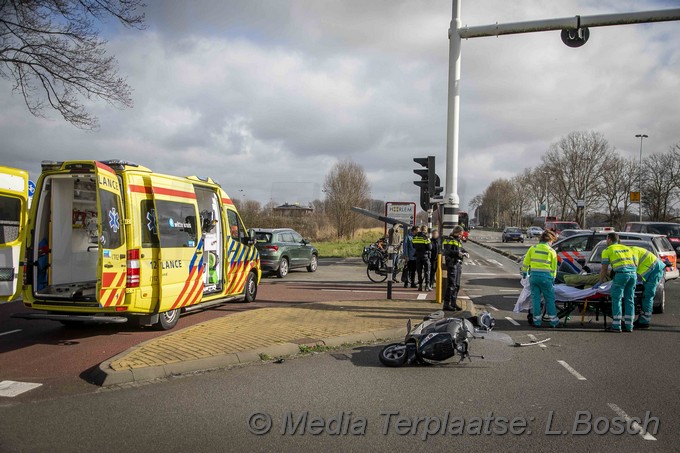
point(436, 249)
point(651, 270)
point(422, 246)
point(621, 259)
point(540, 263)
point(453, 252)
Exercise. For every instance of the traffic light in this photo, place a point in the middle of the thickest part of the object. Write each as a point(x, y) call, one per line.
point(429, 181)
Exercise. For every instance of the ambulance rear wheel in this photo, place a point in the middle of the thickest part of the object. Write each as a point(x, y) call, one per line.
point(251, 287)
point(168, 319)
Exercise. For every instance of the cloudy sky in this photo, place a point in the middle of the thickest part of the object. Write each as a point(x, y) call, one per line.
point(265, 96)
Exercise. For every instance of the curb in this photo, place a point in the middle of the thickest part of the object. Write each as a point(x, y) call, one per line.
point(103, 375)
point(515, 258)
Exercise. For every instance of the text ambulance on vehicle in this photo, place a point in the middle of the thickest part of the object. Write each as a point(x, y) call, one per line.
point(13, 214)
point(113, 241)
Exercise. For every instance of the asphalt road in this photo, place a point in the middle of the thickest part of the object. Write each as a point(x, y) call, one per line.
point(581, 374)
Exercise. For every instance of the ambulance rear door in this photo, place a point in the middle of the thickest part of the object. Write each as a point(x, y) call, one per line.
point(112, 247)
point(180, 260)
point(13, 216)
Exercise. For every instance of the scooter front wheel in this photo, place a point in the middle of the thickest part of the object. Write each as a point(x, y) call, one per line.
point(393, 355)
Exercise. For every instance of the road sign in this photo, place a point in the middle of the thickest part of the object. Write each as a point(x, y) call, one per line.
point(635, 197)
point(31, 188)
point(401, 210)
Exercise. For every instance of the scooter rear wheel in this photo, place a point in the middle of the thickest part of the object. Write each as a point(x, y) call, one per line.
point(393, 355)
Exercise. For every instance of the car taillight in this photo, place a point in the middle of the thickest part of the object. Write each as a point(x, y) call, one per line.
point(273, 248)
point(132, 269)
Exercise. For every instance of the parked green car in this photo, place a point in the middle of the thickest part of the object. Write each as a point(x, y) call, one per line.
point(283, 249)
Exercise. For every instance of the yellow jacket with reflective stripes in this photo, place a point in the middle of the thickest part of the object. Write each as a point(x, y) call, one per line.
point(620, 257)
point(540, 258)
point(644, 259)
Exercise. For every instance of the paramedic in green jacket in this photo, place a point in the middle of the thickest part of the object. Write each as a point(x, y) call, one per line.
point(621, 259)
point(540, 263)
point(651, 270)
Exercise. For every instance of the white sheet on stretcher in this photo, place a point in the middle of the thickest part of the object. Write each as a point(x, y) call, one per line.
point(563, 293)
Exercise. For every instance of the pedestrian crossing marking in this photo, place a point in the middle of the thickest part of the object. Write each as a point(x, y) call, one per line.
point(10, 389)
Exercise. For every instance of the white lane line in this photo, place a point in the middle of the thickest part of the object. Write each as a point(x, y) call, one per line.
point(635, 425)
point(10, 331)
point(492, 307)
point(533, 338)
point(485, 274)
point(512, 320)
point(571, 370)
point(422, 296)
point(509, 290)
point(10, 389)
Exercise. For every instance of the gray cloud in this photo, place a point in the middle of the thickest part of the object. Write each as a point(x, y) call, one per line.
point(265, 96)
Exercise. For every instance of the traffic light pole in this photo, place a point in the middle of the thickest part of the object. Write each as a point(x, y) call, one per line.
point(574, 34)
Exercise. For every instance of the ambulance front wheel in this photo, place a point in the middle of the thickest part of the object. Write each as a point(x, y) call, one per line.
point(168, 319)
point(251, 287)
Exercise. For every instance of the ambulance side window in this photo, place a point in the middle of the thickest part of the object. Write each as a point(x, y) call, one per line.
point(176, 224)
point(112, 221)
point(10, 209)
point(235, 227)
point(149, 225)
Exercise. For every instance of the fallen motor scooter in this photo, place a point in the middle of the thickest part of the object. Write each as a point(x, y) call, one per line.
point(436, 339)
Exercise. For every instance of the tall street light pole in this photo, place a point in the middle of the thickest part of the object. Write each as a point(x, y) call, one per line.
point(641, 137)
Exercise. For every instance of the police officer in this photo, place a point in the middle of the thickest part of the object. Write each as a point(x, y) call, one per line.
point(453, 252)
point(651, 270)
point(422, 246)
point(540, 263)
point(622, 262)
point(436, 248)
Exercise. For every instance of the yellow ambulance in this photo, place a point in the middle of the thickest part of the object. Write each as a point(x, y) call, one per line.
point(13, 214)
point(112, 241)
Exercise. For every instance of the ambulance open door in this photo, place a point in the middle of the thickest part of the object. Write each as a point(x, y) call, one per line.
point(112, 248)
point(13, 216)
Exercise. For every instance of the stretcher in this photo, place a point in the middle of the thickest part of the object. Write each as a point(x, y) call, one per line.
point(568, 299)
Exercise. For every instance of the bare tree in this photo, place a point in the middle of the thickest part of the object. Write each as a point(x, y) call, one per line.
point(617, 179)
point(521, 197)
point(575, 161)
point(346, 186)
point(658, 191)
point(51, 50)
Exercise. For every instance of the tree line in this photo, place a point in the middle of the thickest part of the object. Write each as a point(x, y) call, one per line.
point(584, 179)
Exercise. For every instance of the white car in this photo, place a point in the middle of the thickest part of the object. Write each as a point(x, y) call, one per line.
point(534, 231)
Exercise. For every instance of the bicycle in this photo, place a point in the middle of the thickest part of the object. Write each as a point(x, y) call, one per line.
point(377, 265)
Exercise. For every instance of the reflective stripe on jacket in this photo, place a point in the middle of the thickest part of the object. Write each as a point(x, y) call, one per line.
point(645, 261)
point(540, 258)
point(620, 257)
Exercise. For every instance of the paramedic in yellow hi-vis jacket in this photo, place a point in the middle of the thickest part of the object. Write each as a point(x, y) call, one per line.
point(540, 263)
point(620, 258)
point(651, 270)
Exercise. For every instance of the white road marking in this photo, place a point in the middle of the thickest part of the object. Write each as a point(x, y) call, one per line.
point(10, 331)
point(571, 370)
point(509, 290)
point(10, 389)
point(484, 274)
point(533, 338)
point(422, 296)
point(512, 320)
point(492, 307)
point(645, 435)
point(462, 297)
